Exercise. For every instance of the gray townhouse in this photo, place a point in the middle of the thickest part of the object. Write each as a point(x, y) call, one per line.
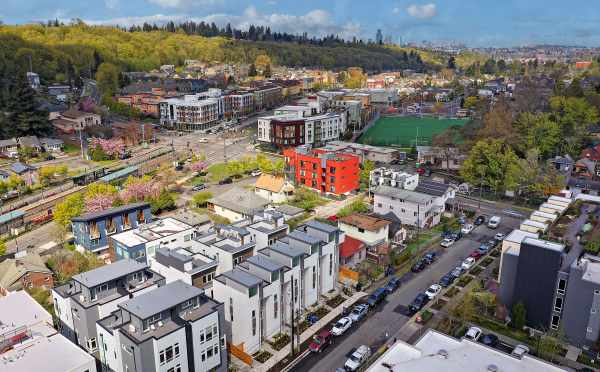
point(410, 207)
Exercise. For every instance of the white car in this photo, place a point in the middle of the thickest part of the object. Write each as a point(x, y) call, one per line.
point(447, 242)
point(468, 263)
point(256, 173)
point(494, 222)
point(520, 350)
point(433, 291)
point(499, 237)
point(341, 326)
point(358, 358)
point(467, 229)
point(203, 140)
point(473, 334)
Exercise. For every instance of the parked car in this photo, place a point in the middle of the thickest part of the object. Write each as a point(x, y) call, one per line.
point(358, 358)
point(468, 263)
point(492, 243)
point(462, 220)
point(199, 187)
point(466, 229)
point(490, 339)
point(203, 140)
point(520, 350)
point(359, 312)
point(447, 280)
point(321, 341)
point(376, 297)
point(457, 235)
point(480, 220)
point(483, 248)
point(446, 234)
point(473, 333)
point(256, 173)
point(433, 291)
point(392, 285)
point(447, 242)
point(476, 254)
point(457, 272)
point(494, 222)
point(418, 266)
point(499, 237)
point(225, 181)
point(418, 303)
point(341, 326)
point(430, 258)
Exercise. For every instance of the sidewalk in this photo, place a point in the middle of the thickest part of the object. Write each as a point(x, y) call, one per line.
point(283, 353)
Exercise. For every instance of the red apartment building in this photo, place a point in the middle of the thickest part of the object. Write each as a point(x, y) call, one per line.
point(324, 171)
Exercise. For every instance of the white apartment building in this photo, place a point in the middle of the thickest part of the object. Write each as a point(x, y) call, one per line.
point(92, 295)
point(392, 178)
point(260, 293)
point(192, 112)
point(175, 328)
point(30, 343)
point(411, 207)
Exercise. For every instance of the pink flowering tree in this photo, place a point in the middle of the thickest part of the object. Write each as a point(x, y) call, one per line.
point(100, 202)
point(111, 147)
point(140, 189)
point(198, 166)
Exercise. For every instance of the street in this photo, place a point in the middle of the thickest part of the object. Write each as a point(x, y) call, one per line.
point(390, 316)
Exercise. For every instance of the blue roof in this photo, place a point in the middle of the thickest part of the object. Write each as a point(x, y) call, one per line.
point(119, 174)
point(11, 216)
point(19, 167)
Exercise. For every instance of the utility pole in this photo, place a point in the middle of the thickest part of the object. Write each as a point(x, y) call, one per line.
point(81, 144)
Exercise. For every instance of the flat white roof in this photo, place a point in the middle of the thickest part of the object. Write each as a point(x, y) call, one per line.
point(544, 244)
point(560, 199)
point(48, 354)
point(517, 236)
point(151, 231)
point(556, 207)
point(537, 224)
point(20, 309)
point(436, 352)
point(550, 216)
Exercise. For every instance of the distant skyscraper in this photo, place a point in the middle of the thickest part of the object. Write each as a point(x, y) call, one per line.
point(379, 37)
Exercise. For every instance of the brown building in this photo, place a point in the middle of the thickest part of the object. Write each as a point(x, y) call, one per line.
point(146, 103)
point(23, 272)
point(133, 133)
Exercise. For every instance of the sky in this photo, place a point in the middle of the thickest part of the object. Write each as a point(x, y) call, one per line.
point(477, 23)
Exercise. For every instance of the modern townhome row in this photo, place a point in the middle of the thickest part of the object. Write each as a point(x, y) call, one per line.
point(558, 285)
point(264, 293)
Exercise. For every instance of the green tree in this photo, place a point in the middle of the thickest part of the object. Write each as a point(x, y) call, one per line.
point(164, 202)
point(252, 70)
point(200, 199)
point(71, 207)
point(24, 114)
point(107, 77)
point(365, 173)
point(2, 247)
point(574, 116)
point(518, 315)
point(539, 131)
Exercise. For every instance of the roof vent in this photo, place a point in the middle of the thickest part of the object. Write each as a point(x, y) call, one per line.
point(443, 353)
point(492, 368)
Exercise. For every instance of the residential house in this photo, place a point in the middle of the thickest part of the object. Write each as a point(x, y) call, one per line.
point(371, 230)
point(30, 142)
point(4, 175)
point(289, 211)
point(28, 173)
point(440, 157)
point(227, 245)
point(237, 204)
point(323, 171)
point(9, 147)
point(393, 178)
point(352, 252)
point(411, 207)
point(172, 328)
point(92, 230)
point(30, 342)
point(74, 120)
point(24, 271)
point(275, 189)
point(93, 295)
point(52, 144)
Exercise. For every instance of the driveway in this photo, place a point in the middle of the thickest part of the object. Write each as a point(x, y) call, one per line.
point(389, 317)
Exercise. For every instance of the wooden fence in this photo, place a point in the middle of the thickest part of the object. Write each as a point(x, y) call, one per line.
point(239, 353)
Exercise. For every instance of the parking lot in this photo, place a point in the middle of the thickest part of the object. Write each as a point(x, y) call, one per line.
point(388, 317)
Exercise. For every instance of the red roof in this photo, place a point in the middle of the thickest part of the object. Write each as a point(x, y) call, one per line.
point(350, 246)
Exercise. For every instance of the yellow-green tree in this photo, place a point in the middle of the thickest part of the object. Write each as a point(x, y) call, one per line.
point(107, 77)
point(71, 207)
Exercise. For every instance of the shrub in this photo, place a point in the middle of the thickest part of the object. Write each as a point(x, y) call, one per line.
point(262, 356)
point(451, 292)
point(476, 270)
point(425, 316)
point(518, 315)
point(462, 282)
point(487, 261)
point(280, 340)
point(335, 301)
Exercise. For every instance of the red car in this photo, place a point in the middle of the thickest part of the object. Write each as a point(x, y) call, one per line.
point(333, 218)
point(475, 254)
point(321, 341)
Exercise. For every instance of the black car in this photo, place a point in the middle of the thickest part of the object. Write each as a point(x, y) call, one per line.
point(447, 280)
point(392, 285)
point(418, 303)
point(479, 220)
point(225, 181)
point(377, 296)
point(419, 266)
point(490, 340)
point(430, 258)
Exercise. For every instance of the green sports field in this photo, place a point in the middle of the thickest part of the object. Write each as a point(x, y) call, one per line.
point(402, 131)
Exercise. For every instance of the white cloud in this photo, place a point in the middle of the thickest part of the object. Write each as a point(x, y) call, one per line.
point(396, 10)
point(422, 11)
point(111, 4)
point(316, 22)
point(183, 4)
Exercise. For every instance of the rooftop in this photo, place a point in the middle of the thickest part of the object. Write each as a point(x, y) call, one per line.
point(289, 210)
point(151, 231)
point(240, 277)
point(270, 183)
point(240, 200)
point(110, 272)
point(303, 237)
point(517, 236)
point(161, 299)
point(19, 309)
point(438, 352)
point(410, 196)
point(325, 227)
point(432, 188)
point(544, 244)
point(110, 212)
point(364, 221)
point(11, 270)
point(350, 246)
point(265, 263)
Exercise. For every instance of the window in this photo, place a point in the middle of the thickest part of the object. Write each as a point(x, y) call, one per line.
point(208, 278)
point(275, 306)
point(176, 349)
point(230, 309)
point(92, 344)
point(589, 330)
point(361, 230)
point(252, 292)
point(177, 368)
point(555, 322)
point(253, 322)
point(209, 352)
point(330, 264)
point(295, 290)
point(562, 285)
point(151, 321)
point(203, 355)
point(558, 304)
point(209, 333)
point(166, 355)
point(216, 349)
point(189, 303)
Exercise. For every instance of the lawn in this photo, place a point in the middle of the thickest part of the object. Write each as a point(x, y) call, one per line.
point(402, 131)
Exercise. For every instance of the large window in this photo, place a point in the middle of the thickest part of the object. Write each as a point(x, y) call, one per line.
point(562, 286)
point(230, 309)
point(253, 322)
point(555, 322)
point(558, 303)
point(275, 306)
point(314, 277)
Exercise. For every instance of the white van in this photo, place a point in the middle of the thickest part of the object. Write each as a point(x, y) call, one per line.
point(358, 358)
point(494, 222)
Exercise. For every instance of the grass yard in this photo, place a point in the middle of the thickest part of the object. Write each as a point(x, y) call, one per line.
point(402, 131)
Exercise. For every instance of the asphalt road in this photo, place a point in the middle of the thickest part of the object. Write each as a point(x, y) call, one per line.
point(390, 316)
